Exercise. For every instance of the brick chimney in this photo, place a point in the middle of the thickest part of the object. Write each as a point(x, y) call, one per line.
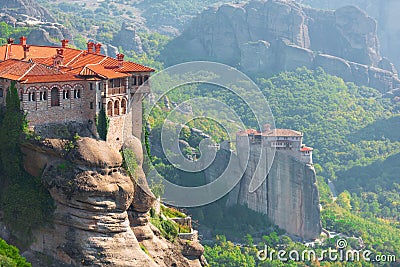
point(90, 47)
point(26, 50)
point(97, 48)
point(60, 52)
point(10, 40)
point(120, 58)
point(22, 40)
point(58, 59)
point(64, 43)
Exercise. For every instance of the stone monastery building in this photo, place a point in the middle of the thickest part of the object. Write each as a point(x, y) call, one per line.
point(284, 140)
point(64, 84)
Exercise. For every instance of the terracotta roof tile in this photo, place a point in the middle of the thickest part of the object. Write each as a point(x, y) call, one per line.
point(306, 148)
point(65, 77)
point(127, 66)
point(75, 62)
point(96, 69)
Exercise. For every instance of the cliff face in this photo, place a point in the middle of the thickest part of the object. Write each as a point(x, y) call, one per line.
point(28, 13)
point(267, 37)
point(102, 214)
point(288, 196)
point(386, 15)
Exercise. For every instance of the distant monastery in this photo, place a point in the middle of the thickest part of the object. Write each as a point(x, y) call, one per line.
point(63, 84)
point(285, 140)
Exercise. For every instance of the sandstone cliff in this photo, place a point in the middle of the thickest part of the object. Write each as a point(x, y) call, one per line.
point(386, 15)
point(266, 37)
point(288, 196)
point(28, 13)
point(102, 212)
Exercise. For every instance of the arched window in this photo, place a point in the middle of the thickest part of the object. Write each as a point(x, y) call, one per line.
point(65, 94)
point(31, 96)
point(116, 107)
point(109, 108)
point(44, 95)
point(78, 93)
point(123, 106)
point(55, 97)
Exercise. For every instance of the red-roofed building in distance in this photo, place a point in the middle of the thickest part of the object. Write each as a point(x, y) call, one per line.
point(283, 140)
point(63, 84)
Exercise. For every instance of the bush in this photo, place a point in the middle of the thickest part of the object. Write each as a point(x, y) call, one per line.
point(9, 256)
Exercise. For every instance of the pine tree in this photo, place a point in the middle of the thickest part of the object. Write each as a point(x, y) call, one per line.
point(12, 128)
point(102, 124)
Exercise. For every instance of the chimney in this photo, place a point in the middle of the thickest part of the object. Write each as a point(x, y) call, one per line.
point(22, 40)
point(90, 47)
point(58, 59)
point(60, 52)
point(26, 51)
point(120, 58)
point(10, 40)
point(97, 48)
point(64, 43)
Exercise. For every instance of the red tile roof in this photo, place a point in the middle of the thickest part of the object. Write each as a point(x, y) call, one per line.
point(306, 148)
point(249, 132)
point(31, 72)
point(74, 61)
point(99, 70)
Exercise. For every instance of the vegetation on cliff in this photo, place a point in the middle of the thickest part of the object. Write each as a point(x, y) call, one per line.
point(25, 202)
point(102, 124)
point(9, 256)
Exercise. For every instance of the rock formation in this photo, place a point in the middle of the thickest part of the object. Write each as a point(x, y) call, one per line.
point(288, 196)
point(128, 39)
point(386, 15)
point(102, 212)
point(28, 13)
point(267, 37)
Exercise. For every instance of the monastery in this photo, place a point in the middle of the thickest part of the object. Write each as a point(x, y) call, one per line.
point(60, 84)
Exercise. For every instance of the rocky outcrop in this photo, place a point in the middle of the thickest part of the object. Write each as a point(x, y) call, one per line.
point(101, 216)
point(288, 196)
point(28, 13)
point(128, 39)
point(386, 15)
point(267, 37)
point(28, 7)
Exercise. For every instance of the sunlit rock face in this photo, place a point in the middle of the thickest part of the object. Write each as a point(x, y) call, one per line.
point(92, 193)
point(267, 37)
point(101, 215)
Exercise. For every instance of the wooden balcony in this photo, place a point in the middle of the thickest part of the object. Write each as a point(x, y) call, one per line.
point(116, 90)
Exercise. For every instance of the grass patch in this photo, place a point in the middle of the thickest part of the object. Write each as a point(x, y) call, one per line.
point(171, 212)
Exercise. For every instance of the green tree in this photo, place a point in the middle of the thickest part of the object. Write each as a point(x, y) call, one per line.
point(102, 124)
point(13, 126)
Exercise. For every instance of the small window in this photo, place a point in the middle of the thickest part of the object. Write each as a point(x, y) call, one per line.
point(1, 92)
point(140, 82)
point(134, 81)
point(91, 105)
point(91, 86)
point(99, 105)
point(44, 95)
